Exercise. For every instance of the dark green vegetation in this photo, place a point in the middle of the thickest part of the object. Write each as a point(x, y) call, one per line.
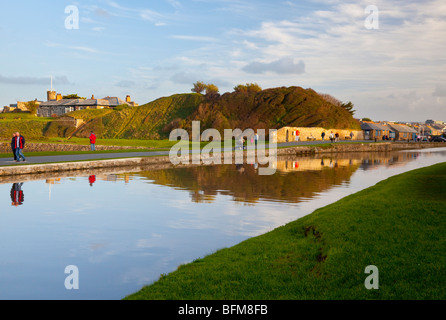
point(266, 109)
point(397, 225)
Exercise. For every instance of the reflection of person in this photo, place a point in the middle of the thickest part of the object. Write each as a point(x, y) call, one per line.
point(17, 196)
point(13, 146)
point(19, 142)
point(92, 179)
point(92, 141)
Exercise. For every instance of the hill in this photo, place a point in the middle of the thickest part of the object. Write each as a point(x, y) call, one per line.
point(267, 109)
point(272, 109)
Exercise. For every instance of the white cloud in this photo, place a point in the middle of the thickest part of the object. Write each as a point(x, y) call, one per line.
point(281, 66)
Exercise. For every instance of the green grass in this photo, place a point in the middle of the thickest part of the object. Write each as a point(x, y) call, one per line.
point(21, 116)
point(397, 225)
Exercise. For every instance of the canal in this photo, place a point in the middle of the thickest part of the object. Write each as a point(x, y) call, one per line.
point(122, 229)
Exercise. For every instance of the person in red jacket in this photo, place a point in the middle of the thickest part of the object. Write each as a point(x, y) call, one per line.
point(92, 141)
point(19, 143)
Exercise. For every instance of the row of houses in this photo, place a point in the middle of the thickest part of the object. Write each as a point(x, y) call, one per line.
point(381, 131)
point(393, 131)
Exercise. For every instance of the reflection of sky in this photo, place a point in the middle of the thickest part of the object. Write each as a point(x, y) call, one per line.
point(124, 235)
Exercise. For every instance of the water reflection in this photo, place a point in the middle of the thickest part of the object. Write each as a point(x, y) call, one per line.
point(92, 180)
point(297, 178)
point(17, 196)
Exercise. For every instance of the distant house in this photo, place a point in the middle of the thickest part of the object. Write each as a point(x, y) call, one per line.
point(374, 131)
point(20, 106)
point(402, 132)
point(58, 106)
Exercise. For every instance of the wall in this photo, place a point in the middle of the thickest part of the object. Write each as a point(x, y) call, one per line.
point(5, 147)
point(316, 133)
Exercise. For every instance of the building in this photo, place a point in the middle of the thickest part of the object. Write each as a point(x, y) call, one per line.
point(380, 131)
point(430, 122)
point(57, 106)
point(400, 132)
point(20, 106)
point(375, 131)
point(288, 134)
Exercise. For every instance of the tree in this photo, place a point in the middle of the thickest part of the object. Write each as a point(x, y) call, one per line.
point(349, 107)
point(199, 87)
point(73, 96)
point(32, 107)
point(211, 89)
point(366, 119)
point(331, 99)
point(249, 87)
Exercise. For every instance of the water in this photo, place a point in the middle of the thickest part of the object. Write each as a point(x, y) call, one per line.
point(122, 230)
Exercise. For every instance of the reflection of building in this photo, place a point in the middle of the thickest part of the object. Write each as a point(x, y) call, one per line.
point(50, 182)
point(305, 164)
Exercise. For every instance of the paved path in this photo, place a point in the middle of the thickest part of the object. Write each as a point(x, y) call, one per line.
point(80, 157)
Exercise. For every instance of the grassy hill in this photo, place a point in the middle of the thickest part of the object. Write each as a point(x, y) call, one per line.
point(272, 109)
point(267, 109)
point(27, 124)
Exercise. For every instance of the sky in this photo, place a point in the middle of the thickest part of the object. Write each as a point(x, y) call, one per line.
point(387, 57)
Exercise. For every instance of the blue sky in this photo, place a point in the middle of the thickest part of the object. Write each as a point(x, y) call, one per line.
point(151, 49)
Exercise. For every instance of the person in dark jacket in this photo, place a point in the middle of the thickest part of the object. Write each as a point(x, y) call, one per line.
point(17, 196)
point(19, 142)
point(13, 147)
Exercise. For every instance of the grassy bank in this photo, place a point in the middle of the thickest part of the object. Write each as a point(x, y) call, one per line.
point(397, 225)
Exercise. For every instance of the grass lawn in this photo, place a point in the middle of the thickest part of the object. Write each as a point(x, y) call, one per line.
point(397, 225)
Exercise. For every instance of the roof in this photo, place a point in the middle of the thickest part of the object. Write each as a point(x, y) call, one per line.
point(373, 126)
point(402, 128)
point(106, 102)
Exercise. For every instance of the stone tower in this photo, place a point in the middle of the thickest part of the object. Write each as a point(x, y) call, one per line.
point(51, 95)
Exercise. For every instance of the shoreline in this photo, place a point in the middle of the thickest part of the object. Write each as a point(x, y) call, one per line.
point(164, 161)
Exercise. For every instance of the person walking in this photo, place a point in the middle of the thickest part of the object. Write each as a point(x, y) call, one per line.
point(351, 135)
point(297, 135)
point(19, 142)
point(256, 139)
point(337, 137)
point(92, 141)
point(332, 137)
point(13, 146)
point(323, 135)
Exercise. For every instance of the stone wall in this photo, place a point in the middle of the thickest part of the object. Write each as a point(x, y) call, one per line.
point(5, 147)
point(315, 133)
